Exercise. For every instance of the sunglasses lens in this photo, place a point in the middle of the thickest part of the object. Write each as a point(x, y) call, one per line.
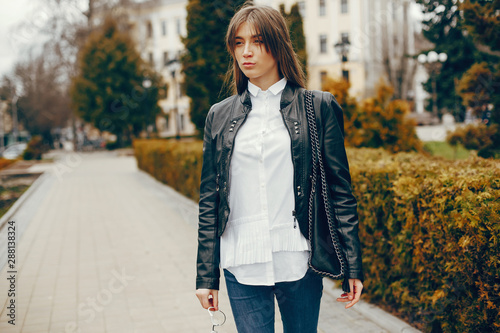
point(218, 318)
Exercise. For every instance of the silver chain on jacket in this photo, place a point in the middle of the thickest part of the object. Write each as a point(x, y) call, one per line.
point(318, 159)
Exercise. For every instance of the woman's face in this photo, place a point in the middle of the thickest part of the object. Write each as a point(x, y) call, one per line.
point(254, 61)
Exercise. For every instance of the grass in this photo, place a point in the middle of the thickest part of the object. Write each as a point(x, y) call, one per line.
point(9, 195)
point(445, 150)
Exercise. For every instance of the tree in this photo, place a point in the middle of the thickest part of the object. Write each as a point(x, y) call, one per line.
point(115, 90)
point(379, 121)
point(399, 65)
point(43, 102)
point(475, 87)
point(296, 27)
point(444, 27)
point(206, 58)
point(481, 21)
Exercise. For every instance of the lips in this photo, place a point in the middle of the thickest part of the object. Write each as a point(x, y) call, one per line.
point(248, 64)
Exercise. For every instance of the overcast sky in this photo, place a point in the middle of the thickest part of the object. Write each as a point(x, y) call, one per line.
point(13, 42)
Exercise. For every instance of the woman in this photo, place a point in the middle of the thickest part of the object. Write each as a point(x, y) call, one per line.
point(255, 186)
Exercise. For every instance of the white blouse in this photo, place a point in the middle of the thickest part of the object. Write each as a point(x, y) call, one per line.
point(262, 243)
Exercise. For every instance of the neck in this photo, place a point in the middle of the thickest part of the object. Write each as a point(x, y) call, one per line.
point(265, 82)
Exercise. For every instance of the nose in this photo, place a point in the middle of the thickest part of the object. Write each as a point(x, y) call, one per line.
point(247, 52)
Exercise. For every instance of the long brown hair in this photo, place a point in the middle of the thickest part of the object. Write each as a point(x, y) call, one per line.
point(270, 24)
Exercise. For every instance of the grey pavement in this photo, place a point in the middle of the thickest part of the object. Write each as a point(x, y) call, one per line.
point(434, 132)
point(104, 247)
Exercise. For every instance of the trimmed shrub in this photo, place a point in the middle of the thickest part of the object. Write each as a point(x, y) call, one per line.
point(5, 162)
point(177, 164)
point(430, 232)
point(35, 149)
point(429, 228)
point(485, 139)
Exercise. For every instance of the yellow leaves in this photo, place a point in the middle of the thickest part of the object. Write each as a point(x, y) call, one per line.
point(464, 241)
point(438, 294)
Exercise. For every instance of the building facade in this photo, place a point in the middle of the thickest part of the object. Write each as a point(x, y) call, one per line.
point(380, 34)
point(158, 27)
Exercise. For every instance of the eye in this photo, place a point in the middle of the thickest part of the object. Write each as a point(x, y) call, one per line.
point(258, 41)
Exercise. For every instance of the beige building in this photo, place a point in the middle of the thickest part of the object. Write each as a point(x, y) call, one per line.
point(158, 27)
point(380, 32)
point(377, 31)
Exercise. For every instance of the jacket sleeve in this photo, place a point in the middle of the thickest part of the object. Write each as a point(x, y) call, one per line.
point(207, 263)
point(339, 181)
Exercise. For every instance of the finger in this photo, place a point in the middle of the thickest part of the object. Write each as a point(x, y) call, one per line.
point(357, 295)
point(343, 298)
point(205, 302)
point(215, 294)
point(203, 298)
point(351, 289)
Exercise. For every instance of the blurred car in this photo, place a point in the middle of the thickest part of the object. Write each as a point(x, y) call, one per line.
point(14, 150)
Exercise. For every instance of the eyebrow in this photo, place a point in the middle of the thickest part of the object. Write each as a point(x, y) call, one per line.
point(258, 35)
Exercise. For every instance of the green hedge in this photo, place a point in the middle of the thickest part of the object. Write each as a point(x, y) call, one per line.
point(430, 232)
point(429, 227)
point(177, 164)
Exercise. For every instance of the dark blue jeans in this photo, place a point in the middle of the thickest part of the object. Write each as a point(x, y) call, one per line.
point(298, 301)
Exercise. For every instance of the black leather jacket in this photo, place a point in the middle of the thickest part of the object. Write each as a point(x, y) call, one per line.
point(222, 124)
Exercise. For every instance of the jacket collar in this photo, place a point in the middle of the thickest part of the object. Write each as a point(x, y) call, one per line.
point(288, 95)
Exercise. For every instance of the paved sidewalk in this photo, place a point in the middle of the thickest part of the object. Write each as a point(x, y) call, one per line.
point(106, 248)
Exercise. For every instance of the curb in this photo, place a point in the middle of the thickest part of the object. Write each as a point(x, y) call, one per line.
point(5, 218)
point(383, 319)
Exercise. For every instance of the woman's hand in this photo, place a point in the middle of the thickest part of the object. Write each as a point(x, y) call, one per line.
point(356, 286)
point(208, 298)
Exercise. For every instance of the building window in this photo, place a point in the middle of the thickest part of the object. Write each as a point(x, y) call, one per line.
point(322, 76)
point(178, 26)
point(345, 75)
point(302, 8)
point(343, 6)
point(181, 120)
point(149, 28)
point(165, 58)
point(151, 59)
point(164, 28)
point(322, 44)
point(322, 7)
point(344, 37)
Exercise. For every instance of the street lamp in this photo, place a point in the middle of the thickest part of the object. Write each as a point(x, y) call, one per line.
point(342, 49)
point(146, 84)
point(433, 63)
point(173, 66)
